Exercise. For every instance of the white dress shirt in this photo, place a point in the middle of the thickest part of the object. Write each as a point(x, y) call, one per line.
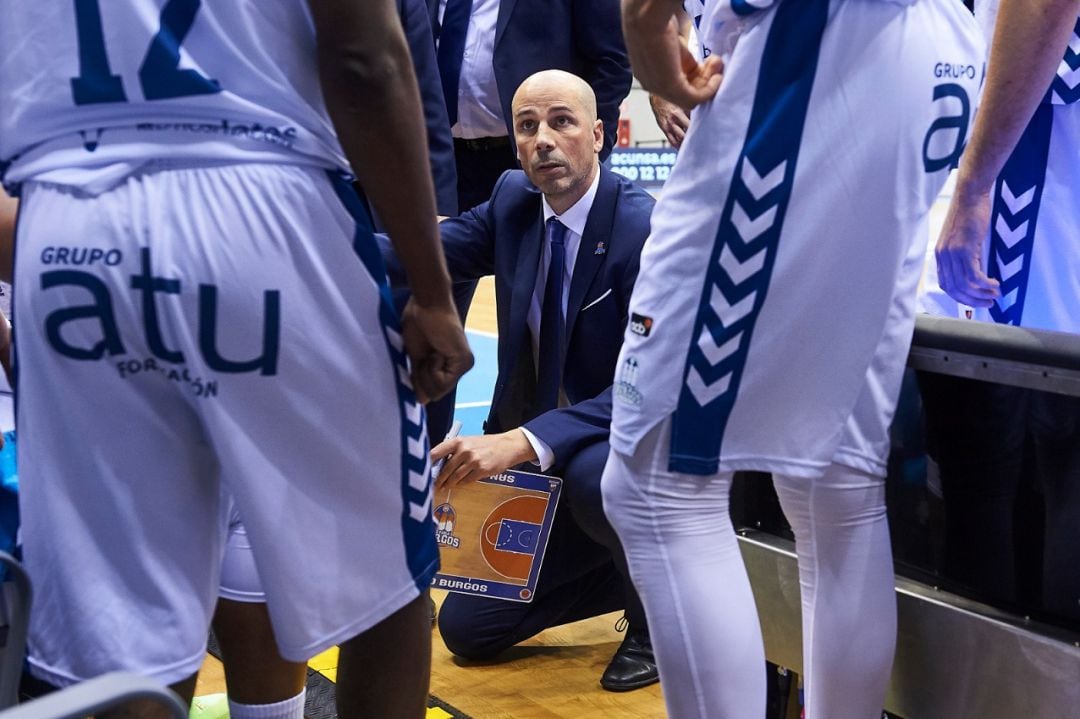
point(479, 110)
point(574, 220)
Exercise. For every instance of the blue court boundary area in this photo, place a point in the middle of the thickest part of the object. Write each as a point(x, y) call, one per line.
point(475, 388)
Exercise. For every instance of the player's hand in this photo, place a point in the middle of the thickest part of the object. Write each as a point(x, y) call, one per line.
point(661, 60)
point(471, 458)
point(436, 346)
point(671, 120)
point(700, 80)
point(959, 251)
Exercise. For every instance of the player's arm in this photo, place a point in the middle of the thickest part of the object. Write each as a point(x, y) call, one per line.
point(8, 211)
point(670, 118)
point(1029, 41)
point(661, 60)
point(371, 94)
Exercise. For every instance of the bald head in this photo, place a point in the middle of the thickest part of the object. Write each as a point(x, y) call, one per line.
point(557, 135)
point(557, 84)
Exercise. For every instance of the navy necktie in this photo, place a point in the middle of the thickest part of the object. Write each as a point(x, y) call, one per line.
point(451, 52)
point(552, 323)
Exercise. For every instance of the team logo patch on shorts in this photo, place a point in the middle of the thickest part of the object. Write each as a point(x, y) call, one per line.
point(640, 324)
point(625, 390)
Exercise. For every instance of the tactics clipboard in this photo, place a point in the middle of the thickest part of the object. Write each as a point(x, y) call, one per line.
point(492, 534)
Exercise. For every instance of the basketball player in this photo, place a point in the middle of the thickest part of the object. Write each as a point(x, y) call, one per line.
point(779, 277)
point(202, 307)
point(1009, 249)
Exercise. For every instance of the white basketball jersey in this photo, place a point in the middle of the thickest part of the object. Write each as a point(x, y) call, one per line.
point(93, 91)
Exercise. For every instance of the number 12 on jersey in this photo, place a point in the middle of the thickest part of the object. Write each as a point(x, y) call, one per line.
point(160, 75)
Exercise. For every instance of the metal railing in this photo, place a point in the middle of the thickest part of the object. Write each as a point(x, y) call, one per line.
point(106, 692)
point(955, 658)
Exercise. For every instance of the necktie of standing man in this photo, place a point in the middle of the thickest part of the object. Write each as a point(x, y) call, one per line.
point(552, 322)
point(455, 24)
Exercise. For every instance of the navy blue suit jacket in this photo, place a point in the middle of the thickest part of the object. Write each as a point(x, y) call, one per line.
point(417, 25)
point(580, 36)
point(503, 237)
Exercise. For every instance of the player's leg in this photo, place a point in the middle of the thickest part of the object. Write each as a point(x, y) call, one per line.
point(686, 564)
point(256, 674)
point(261, 683)
point(323, 446)
point(385, 671)
point(633, 664)
point(848, 589)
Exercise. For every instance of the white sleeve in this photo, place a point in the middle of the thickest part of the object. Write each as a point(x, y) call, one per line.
point(545, 457)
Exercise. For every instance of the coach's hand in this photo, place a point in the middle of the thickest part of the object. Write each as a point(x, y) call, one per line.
point(436, 346)
point(471, 458)
point(959, 251)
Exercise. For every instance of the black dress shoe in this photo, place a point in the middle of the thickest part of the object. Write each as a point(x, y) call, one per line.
point(633, 665)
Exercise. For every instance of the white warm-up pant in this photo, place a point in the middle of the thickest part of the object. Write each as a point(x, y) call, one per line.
point(686, 564)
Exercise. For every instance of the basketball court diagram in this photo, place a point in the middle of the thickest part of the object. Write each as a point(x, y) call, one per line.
point(492, 534)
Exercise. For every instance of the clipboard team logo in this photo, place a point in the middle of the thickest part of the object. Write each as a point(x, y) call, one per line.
point(445, 517)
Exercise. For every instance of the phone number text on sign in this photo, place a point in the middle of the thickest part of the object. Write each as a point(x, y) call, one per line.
point(643, 166)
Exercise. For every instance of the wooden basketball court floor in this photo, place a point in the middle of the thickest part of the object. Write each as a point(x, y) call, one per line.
point(554, 675)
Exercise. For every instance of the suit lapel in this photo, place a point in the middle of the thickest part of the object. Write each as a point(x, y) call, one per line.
point(506, 8)
point(433, 16)
point(597, 229)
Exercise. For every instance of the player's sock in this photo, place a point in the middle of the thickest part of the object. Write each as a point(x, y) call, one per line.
point(292, 708)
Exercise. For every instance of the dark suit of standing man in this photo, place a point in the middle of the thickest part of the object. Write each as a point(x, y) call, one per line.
point(416, 23)
point(562, 239)
point(495, 47)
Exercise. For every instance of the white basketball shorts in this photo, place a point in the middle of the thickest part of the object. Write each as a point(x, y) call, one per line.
point(774, 307)
point(199, 331)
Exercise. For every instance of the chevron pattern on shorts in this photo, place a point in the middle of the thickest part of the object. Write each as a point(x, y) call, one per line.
point(738, 280)
point(417, 526)
point(1065, 88)
point(736, 284)
point(1014, 217)
point(1011, 247)
point(417, 459)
